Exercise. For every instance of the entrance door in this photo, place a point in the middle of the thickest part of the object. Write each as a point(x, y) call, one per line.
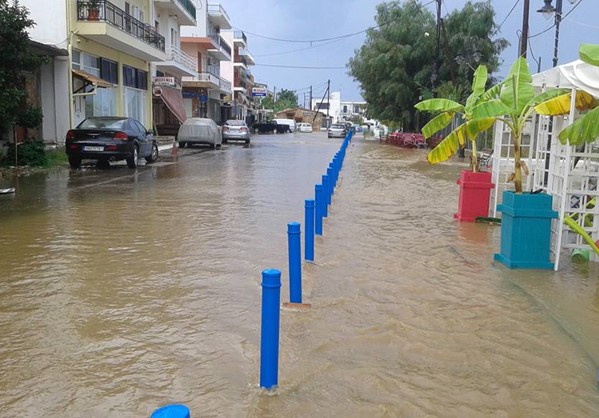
point(78, 110)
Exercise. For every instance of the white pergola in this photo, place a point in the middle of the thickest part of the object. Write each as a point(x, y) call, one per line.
point(569, 174)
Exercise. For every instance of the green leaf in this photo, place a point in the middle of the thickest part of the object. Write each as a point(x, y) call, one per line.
point(479, 81)
point(437, 123)
point(589, 53)
point(446, 148)
point(585, 129)
point(490, 109)
point(439, 105)
point(549, 95)
point(518, 90)
point(492, 93)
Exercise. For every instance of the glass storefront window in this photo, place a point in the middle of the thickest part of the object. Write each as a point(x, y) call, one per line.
point(135, 104)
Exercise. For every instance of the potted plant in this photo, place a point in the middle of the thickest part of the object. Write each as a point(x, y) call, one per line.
point(93, 10)
point(475, 186)
point(526, 217)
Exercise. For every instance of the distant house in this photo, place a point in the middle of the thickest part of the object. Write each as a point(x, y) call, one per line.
point(298, 114)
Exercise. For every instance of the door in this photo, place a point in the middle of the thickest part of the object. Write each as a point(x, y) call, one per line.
point(78, 110)
point(145, 140)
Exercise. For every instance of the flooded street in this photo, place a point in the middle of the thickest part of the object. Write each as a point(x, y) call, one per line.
point(121, 291)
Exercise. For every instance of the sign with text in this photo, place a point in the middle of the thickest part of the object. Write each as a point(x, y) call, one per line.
point(259, 91)
point(165, 81)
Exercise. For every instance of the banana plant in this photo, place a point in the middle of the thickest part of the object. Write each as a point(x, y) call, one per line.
point(585, 129)
point(515, 104)
point(467, 130)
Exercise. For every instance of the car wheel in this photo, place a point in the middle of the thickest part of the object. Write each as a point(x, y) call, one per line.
point(154, 155)
point(132, 161)
point(74, 162)
point(212, 146)
point(225, 141)
point(182, 144)
point(247, 142)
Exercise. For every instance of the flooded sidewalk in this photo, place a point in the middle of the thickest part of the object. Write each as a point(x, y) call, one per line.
point(136, 290)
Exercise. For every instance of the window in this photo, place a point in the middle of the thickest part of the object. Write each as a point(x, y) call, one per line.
point(76, 60)
point(356, 109)
point(135, 104)
point(344, 108)
point(132, 77)
point(109, 71)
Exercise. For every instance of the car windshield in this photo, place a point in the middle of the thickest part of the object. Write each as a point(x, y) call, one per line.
point(100, 123)
point(235, 123)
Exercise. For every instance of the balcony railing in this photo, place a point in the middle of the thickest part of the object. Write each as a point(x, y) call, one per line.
point(241, 60)
point(220, 42)
point(239, 34)
point(189, 6)
point(225, 85)
point(105, 11)
point(209, 77)
point(217, 9)
point(182, 58)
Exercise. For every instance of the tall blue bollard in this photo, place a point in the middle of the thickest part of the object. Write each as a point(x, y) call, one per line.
point(295, 262)
point(171, 411)
point(319, 195)
point(309, 237)
point(269, 339)
point(325, 195)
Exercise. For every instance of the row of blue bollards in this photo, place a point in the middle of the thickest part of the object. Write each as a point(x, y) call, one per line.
point(315, 210)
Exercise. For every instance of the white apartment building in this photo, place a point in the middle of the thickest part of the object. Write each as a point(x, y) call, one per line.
point(339, 111)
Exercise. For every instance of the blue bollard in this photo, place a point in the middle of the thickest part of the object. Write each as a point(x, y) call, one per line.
point(325, 195)
point(269, 339)
point(319, 204)
point(171, 411)
point(332, 181)
point(295, 262)
point(309, 237)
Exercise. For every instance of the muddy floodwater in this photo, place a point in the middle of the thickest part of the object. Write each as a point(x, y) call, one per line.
point(121, 291)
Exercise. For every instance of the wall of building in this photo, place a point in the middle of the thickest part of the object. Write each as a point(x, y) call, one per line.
point(201, 29)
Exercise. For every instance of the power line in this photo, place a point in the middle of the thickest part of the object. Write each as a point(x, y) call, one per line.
point(506, 17)
point(299, 49)
point(302, 68)
point(306, 41)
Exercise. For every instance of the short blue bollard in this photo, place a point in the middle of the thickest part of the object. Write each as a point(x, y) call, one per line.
point(171, 411)
point(319, 195)
point(309, 237)
point(295, 262)
point(331, 175)
point(269, 339)
point(325, 195)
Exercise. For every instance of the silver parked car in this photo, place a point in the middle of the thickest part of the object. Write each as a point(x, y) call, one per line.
point(199, 131)
point(236, 130)
point(337, 130)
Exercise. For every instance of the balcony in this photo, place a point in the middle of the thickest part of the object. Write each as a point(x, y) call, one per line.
point(112, 27)
point(239, 38)
point(220, 49)
point(184, 10)
point(240, 61)
point(178, 63)
point(248, 57)
point(218, 15)
point(208, 80)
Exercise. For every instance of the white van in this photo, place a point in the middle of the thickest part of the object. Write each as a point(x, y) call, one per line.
point(289, 122)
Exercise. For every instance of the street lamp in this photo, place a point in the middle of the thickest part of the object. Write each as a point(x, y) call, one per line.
point(548, 10)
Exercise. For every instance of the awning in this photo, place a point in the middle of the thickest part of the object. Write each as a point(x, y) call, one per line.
point(87, 78)
point(173, 99)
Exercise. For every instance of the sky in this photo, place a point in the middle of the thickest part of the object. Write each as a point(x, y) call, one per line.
point(307, 20)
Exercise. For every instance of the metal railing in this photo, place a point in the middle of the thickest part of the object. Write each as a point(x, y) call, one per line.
point(220, 42)
point(218, 10)
point(208, 77)
point(189, 6)
point(239, 34)
point(105, 11)
point(182, 58)
point(241, 60)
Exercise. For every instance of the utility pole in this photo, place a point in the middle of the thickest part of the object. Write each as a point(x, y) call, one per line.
point(328, 101)
point(524, 38)
point(558, 20)
point(437, 51)
point(310, 102)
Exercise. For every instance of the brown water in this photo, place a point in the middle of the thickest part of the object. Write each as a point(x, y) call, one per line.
point(121, 292)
